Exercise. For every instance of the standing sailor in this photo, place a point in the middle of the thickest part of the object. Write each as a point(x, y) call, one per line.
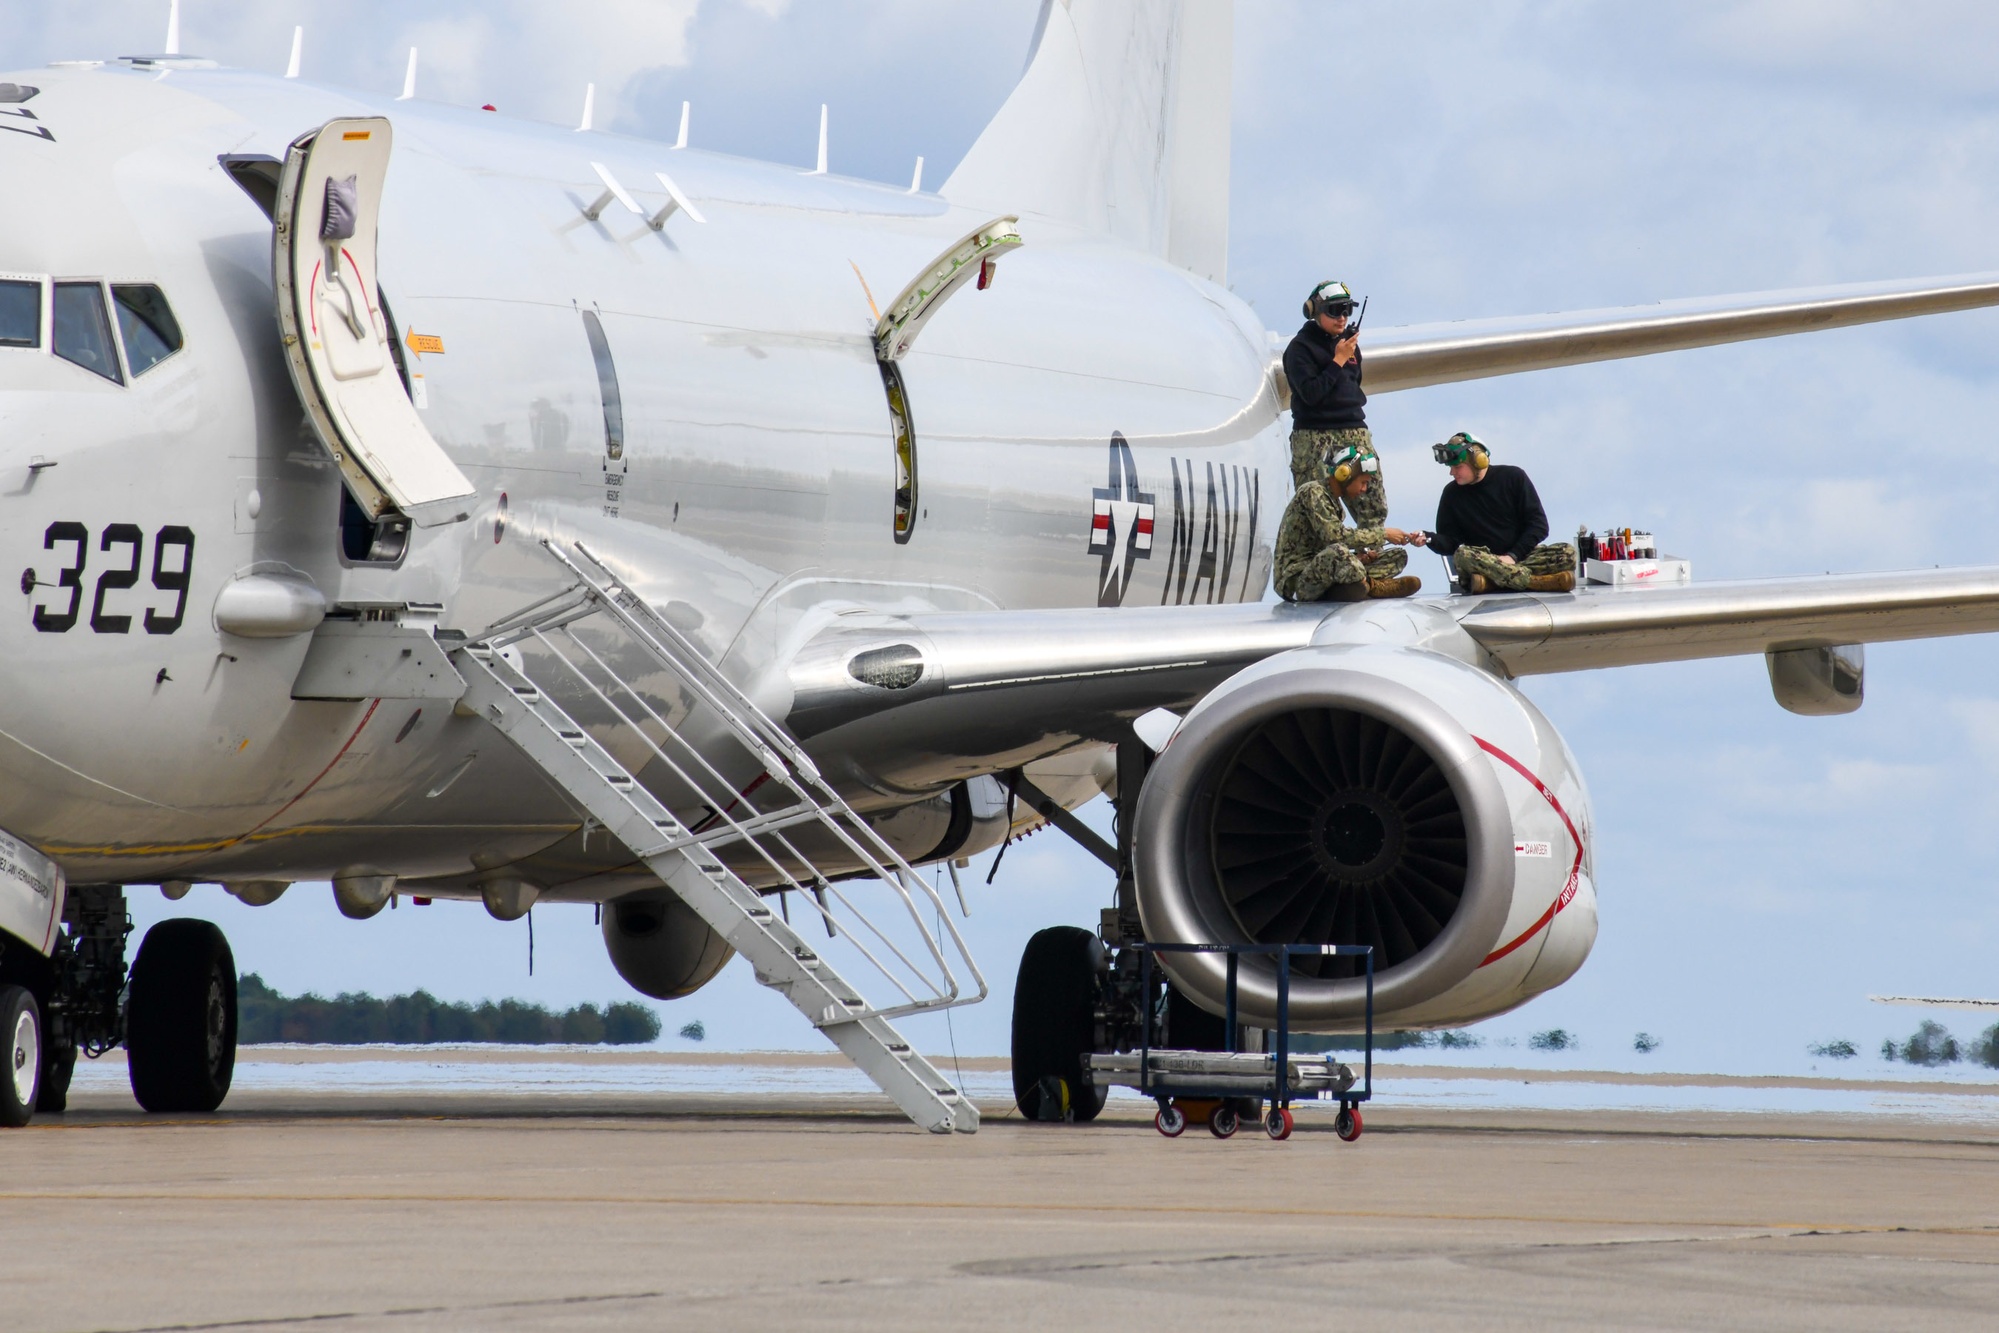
point(1328, 406)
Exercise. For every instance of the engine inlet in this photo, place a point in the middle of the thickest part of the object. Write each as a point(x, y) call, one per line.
point(1333, 827)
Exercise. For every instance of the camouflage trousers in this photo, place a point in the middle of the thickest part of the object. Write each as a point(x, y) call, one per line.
point(1554, 558)
point(1308, 580)
point(1310, 448)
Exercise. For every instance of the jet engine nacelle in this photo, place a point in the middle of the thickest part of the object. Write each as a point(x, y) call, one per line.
point(1398, 797)
point(660, 945)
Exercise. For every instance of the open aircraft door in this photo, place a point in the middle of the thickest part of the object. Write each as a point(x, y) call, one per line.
point(336, 339)
point(973, 254)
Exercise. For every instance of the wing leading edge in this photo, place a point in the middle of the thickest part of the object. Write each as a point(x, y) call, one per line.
point(1418, 355)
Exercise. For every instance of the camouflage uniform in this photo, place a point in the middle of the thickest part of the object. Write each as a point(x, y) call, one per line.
point(1311, 448)
point(1315, 550)
point(1553, 558)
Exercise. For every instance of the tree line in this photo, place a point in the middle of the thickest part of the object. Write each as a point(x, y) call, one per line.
point(264, 1016)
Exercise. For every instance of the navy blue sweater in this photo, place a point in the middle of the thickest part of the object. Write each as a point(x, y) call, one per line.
point(1324, 396)
point(1502, 513)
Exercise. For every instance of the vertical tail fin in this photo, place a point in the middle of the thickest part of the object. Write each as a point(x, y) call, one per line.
point(1120, 123)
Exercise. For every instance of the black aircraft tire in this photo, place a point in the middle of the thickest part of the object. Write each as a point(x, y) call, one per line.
point(1054, 1021)
point(180, 1026)
point(21, 1038)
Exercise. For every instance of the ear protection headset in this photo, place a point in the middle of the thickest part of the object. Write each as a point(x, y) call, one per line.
point(1463, 447)
point(1349, 462)
point(1329, 298)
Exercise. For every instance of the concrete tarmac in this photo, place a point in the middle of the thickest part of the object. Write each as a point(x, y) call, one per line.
point(422, 1210)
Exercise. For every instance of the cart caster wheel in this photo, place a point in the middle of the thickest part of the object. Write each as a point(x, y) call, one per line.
point(1171, 1121)
point(1278, 1123)
point(1224, 1122)
point(1347, 1123)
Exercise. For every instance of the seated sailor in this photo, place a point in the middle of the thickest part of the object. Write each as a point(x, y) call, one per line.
point(1490, 523)
point(1320, 559)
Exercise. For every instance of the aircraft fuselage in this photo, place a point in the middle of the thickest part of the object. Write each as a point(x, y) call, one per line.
point(751, 493)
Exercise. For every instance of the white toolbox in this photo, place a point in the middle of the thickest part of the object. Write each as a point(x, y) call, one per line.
point(1647, 573)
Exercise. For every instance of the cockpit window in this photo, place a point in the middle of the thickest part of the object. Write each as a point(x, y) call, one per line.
point(147, 324)
point(83, 332)
point(20, 313)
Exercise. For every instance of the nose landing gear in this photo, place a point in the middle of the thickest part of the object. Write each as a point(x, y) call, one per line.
point(176, 1017)
point(21, 1078)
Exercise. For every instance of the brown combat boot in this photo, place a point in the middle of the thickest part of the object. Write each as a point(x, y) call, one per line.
point(1345, 592)
point(1562, 582)
point(1404, 586)
point(1474, 582)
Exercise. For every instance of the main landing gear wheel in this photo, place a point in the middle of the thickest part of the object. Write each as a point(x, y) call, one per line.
point(1224, 1122)
point(1277, 1123)
point(20, 1081)
point(1171, 1121)
point(1054, 1025)
point(180, 1029)
point(1347, 1123)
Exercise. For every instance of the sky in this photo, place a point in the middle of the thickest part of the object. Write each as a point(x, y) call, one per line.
point(1760, 874)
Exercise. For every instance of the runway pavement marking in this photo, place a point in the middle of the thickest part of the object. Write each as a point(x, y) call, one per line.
point(969, 1205)
point(401, 1312)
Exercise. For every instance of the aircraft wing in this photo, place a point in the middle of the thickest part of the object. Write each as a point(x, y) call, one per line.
point(1420, 354)
point(911, 703)
point(1530, 635)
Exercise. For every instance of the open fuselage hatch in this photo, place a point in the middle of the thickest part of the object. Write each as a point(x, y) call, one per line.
point(337, 340)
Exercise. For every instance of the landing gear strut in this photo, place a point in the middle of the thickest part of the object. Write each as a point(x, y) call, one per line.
point(85, 1003)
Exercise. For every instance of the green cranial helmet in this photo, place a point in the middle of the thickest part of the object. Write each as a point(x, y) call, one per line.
point(1463, 447)
point(1329, 298)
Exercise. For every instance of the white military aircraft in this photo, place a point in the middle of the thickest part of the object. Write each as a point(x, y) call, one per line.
point(448, 506)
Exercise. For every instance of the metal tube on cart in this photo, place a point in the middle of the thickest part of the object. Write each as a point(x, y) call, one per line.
point(1145, 1028)
point(1229, 1041)
point(1284, 1024)
point(1370, 1020)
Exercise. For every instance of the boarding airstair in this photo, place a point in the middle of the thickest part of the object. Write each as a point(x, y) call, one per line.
point(667, 755)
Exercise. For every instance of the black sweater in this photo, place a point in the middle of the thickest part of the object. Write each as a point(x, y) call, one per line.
point(1501, 513)
point(1324, 396)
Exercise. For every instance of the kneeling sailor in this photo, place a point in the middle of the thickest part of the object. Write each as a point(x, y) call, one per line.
point(1490, 523)
point(1319, 559)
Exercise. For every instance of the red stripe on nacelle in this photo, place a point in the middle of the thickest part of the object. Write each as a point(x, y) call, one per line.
point(1568, 893)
